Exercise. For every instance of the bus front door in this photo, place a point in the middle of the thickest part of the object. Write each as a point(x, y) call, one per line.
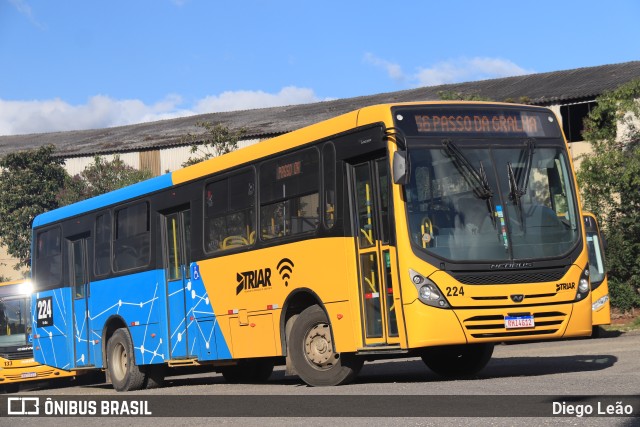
point(80, 289)
point(177, 232)
point(376, 257)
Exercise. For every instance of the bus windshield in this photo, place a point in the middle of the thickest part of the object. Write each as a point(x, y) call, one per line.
point(491, 200)
point(15, 323)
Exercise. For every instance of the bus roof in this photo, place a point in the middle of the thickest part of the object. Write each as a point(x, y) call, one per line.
point(126, 193)
point(318, 131)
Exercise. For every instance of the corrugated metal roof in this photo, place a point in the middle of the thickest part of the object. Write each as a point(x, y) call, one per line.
point(556, 87)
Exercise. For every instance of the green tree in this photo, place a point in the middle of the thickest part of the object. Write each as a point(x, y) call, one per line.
point(29, 183)
point(100, 177)
point(216, 140)
point(609, 179)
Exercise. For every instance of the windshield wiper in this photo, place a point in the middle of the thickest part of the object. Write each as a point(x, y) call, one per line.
point(477, 179)
point(519, 182)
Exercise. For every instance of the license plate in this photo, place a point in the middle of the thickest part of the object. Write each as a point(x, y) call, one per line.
point(28, 375)
point(519, 322)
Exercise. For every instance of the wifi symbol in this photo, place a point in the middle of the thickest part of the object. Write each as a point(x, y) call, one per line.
point(285, 268)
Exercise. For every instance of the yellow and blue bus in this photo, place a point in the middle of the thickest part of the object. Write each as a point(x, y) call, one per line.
point(424, 229)
point(601, 307)
point(16, 349)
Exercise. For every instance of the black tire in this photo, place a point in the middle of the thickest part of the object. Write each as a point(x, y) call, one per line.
point(457, 361)
point(249, 371)
point(596, 332)
point(310, 347)
point(125, 374)
point(155, 375)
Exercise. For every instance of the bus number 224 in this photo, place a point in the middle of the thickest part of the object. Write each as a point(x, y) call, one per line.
point(45, 316)
point(455, 291)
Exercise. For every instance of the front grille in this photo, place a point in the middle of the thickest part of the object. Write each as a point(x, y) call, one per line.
point(492, 326)
point(527, 297)
point(46, 373)
point(508, 277)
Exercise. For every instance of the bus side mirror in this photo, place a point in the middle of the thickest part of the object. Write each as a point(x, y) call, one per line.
point(400, 168)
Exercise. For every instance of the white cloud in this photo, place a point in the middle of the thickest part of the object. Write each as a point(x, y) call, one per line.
point(23, 117)
point(460, 70)
point(451, 71)
point(393, 70)
point(24, 8)
point(244, 100)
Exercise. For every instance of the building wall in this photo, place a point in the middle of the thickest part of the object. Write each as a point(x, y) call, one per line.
point(578, 150)
point(6, 266)
point(75, 165)
point(157, 161)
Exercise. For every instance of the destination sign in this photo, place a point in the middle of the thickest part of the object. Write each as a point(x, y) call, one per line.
point(478, 122)
point(503, 123)
point(288, 170)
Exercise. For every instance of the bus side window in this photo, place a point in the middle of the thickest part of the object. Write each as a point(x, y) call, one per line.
point(230, 212)
point(290, 194)
point(132, 240)
point(102, 262)
point(329, 184)
point(48, 265)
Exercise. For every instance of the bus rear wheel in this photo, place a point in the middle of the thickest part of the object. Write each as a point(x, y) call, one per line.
point(457, 361)
point(125, 375)
point(312, 352)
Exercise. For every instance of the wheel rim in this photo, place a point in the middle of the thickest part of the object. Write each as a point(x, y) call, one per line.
point(318, 348)
point(119, 357)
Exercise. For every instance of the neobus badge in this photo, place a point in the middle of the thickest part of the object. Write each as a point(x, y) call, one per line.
point(508, 265)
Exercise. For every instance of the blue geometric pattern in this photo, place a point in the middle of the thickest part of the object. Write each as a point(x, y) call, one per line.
point(53, 345)
point(141, 300)
point(212, 344)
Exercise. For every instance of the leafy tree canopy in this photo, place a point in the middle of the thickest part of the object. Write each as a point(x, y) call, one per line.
point(35, 181)
point(99, 177)
point(610, 181)
point(29, 184)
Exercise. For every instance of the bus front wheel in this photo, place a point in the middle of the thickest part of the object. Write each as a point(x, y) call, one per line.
point(457, 361)
point(312, 352)
point(125, 375)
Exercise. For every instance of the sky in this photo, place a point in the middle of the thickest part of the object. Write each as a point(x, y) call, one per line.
point(78, 64)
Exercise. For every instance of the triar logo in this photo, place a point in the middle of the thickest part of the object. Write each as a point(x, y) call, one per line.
point(565, 286)
point(252, 280)
point(260, 279)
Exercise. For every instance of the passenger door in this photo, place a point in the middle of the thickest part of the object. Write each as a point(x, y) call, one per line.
point(177, 232)
point(80, 285)
point(370, 193)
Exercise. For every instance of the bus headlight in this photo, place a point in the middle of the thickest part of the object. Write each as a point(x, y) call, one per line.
point(583, 285)
point(428, 292)
point(601, 301)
